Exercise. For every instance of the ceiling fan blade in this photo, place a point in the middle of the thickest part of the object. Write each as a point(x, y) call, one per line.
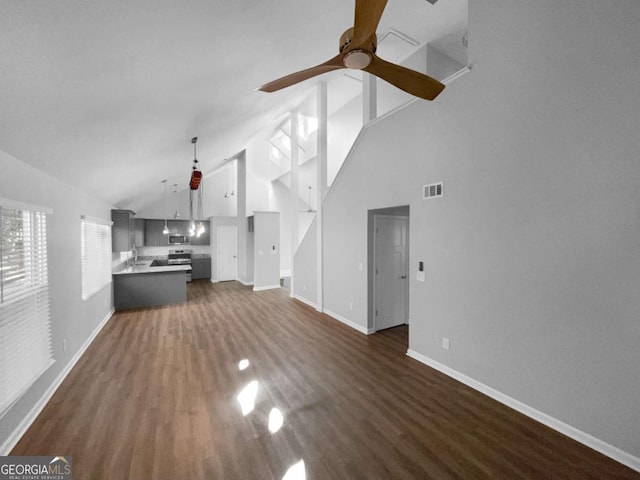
point(368, 13)
point(334, 64)
point(415, 83)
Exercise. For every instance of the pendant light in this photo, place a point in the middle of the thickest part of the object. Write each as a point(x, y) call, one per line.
point(310, 210)
point(195, 185)
point(165, 230)
point(226, 193)
point(201, 228)
point(175, 192)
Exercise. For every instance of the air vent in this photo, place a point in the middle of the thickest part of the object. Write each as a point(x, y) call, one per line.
point(433, 190)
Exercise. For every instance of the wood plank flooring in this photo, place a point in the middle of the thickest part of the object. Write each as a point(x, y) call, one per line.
point(155, 397)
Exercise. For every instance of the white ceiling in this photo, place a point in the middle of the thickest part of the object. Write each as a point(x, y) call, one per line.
point(107, 95)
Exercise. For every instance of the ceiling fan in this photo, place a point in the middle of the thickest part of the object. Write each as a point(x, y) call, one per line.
point(358, 51)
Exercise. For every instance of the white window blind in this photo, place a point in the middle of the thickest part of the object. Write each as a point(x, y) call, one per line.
point(96, 255)
point(25, 322)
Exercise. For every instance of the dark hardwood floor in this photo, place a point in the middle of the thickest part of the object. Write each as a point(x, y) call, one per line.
point(155, 397)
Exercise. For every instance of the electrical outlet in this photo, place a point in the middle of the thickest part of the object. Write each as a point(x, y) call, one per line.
point(64, 345)
point(350, 305)
point(445, 343)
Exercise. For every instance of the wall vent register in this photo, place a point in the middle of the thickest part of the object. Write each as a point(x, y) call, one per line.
point(433, 190)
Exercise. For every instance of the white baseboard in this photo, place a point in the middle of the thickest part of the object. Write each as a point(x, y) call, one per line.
point(26, 422)
point(306, 301)
point(348, 322)
point(246, 284)
point(590, 441)
point(266, 287)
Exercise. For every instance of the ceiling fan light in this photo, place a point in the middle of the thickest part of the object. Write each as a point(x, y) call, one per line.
point(357, 59)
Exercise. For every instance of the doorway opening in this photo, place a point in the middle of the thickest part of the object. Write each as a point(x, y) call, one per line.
point(388, 261)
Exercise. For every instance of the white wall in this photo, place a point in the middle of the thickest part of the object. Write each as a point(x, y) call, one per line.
point(532, 259)
point(305, 267)
point(281, 202)
point(71, 318)
point(218, 185)
point(266, 259)
point(258, 177)
point(342, 129)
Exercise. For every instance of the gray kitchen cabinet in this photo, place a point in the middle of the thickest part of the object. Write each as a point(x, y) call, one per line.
point(139, 232)
point(148, 289)
point(153, 236)
point(123, 230)
point(205, 238)
point(201, 267)
point(179, 227)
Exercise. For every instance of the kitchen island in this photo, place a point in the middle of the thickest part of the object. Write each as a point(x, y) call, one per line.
point(141, 285)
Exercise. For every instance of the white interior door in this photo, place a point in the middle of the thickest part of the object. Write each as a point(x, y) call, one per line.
point(227, 253)
point(390, 275)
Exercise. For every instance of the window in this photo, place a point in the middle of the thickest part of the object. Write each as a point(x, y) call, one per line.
point(25, 322)
point(96, 255)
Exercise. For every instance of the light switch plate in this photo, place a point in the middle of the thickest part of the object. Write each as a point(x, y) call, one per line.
point(420, 276)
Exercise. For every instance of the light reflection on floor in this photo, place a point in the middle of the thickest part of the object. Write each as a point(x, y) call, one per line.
point(247, 397)
point(276, 419)
point(247, 400)
point(296, 472)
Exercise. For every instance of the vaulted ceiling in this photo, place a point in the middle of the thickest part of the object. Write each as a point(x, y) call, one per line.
point(106, 95)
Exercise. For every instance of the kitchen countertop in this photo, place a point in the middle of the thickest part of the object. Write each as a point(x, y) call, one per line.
point(144, 266)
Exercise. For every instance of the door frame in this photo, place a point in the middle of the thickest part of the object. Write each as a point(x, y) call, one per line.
point(219, 230)
point(376, 216)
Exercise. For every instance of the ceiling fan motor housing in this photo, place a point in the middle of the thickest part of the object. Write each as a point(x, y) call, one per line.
point(347, 37)
point(358, 58)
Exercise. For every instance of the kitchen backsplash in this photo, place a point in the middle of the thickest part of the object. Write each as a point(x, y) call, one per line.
point(119, 259)
point(164, 250)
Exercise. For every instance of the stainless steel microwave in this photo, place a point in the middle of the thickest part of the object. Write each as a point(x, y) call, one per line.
point(179, 240)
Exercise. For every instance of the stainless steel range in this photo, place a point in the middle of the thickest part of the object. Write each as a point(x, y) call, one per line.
point(181, 257)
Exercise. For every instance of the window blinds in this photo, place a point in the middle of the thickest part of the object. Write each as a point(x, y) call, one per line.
point(25, 323)
point(96, 255)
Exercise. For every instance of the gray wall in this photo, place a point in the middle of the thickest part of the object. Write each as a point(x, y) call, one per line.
point(532, 259)
point(71, 318)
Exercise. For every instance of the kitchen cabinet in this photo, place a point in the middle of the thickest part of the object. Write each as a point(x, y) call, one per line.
point(205, 238)
point(139, 232)
point(153, 236)
point(123, 230)
point(200, 267)
point(179, 227)
point(148, 289)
